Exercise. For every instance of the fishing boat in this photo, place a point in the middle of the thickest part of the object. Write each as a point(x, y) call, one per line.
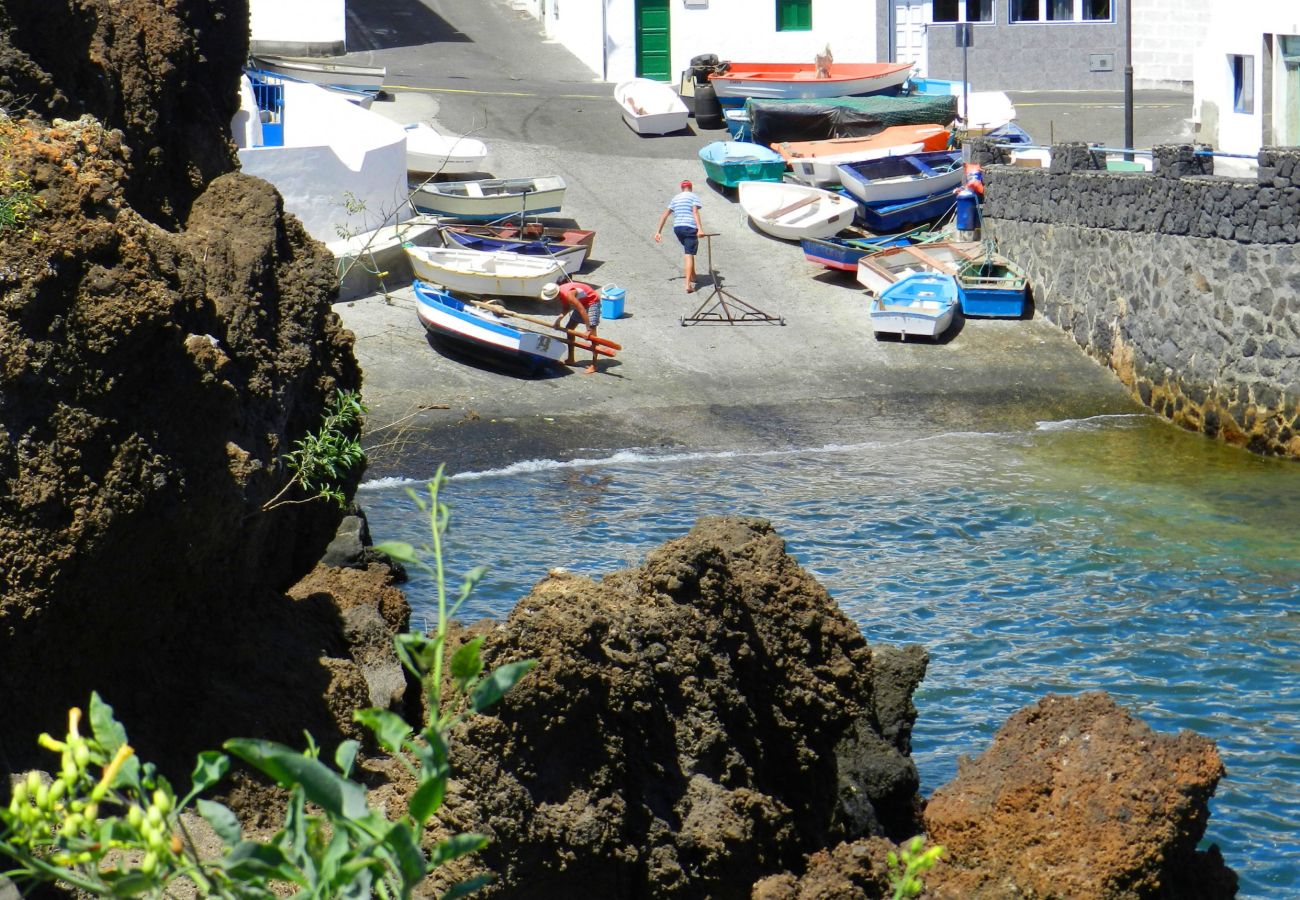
point(323, 72)
point(650, 107)
point(570, 256)
point(921, 304)
point(728, 163)
point(816, 162)
point(450, 319)
point(529, 231)
point(794, 211)
point(499, 273)
point(428, 151)
point(878, 271)
point(992, 285)
point(803, 80)
point(489, 199)
point(899, 179)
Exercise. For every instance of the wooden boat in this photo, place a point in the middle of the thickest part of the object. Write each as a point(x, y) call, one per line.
point(923, 303)
point(794, 211)
point(817, 162)
point(728, 163)
point(898, 179)
point(489, 199)
point(650, 107)
point(500, 273)
point(529, 231)
point(427, 151)
point(992, 285)
point(801, 80)
point(890, 217)
point(320, 71)
point(450, 319)
point(878, 271)
point(570, 256)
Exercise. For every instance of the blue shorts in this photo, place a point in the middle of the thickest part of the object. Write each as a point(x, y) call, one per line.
point(689, 237)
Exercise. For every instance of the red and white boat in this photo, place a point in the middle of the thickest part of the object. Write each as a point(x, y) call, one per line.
point(817, 162)
point(801, 81)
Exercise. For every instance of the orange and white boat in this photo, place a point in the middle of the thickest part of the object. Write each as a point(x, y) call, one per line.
point(800, 81)
point(815, 162)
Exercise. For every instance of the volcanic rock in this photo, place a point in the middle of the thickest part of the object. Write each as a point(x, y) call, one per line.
point(856, 870)
point(1077, 798)
point(692, 725)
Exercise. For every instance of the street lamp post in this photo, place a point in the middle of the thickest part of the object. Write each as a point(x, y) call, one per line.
point(1128, 80)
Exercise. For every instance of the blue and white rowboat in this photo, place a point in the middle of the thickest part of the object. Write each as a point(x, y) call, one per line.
point(449, 319)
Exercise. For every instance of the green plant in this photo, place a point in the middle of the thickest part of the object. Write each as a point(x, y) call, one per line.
point(906, 867)
point(113, 827)
point(320, 459)
point(17, 202)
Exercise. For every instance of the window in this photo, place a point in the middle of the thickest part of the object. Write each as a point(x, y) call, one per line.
point(1243, 83)
point(1060, 11)
point(793, 15)
point(944, 11)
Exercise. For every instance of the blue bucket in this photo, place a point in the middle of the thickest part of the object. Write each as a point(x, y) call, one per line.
point(611, 301)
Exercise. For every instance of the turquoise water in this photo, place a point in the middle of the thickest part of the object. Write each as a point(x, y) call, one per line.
point(1115, 553)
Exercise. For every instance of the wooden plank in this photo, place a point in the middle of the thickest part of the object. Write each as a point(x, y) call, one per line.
point(798, 204)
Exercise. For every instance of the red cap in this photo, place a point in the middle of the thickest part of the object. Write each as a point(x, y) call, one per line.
point(685, 184)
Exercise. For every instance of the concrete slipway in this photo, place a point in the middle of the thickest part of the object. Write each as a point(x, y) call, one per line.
point(819, 379)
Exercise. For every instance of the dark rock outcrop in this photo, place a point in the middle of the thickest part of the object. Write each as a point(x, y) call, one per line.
point(1077, 798)
point(692, 725)
point(165, 336)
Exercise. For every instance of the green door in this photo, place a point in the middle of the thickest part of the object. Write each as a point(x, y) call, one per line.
point(652, 40)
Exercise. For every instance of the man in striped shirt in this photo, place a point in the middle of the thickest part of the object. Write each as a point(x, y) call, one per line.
point(685, 210)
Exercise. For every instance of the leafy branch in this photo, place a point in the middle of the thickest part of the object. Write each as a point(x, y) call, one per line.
point(320, 460)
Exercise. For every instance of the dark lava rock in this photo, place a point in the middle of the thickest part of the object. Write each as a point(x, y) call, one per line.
point(692, 725)
point(1076, 798)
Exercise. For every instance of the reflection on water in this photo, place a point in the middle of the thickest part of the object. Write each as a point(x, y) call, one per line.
point(1114, 553)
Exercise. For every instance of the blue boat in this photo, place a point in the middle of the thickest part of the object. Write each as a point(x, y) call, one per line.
point(992, 285)
point(887, 218)
point(1010, 133)
point(571, 256)
point(923, 303)
point(478, 331)
point(898, 179)
point(844, 253)
point(728, 163)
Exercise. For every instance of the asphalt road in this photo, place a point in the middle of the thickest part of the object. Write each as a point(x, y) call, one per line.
point(479, 67)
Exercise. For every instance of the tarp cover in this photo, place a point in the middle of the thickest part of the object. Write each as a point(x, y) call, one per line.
point(771, 121)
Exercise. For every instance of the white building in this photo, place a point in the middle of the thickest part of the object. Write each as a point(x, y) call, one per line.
point(298, 27)
point(340, 168)
point(620, 39)
point(1247, 92)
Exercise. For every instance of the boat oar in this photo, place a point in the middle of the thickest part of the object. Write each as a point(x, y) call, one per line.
point(600, 342)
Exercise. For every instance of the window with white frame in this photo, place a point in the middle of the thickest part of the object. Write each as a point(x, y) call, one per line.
point(1243, 83)
point(945, 11)
point(1022, 11)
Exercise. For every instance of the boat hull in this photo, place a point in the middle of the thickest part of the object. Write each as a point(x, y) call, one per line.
point(904, 178)
point(885, 218)
point(650, 107)
point(570, 256)
point(793, 212)
point(920, 305)
point(428, 151)
point(370, 78)
point(485, 274)
point(799, 81)
point(994, 288)
point(448, 319)
point(489, 200)
point(728, 163)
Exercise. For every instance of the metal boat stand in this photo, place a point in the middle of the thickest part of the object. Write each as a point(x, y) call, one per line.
point(723, 306)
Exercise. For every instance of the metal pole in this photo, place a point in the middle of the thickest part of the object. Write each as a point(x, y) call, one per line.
point(965, 83)
point(1128, 78)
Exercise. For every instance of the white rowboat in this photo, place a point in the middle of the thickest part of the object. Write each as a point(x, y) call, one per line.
point(650, 107)
point(795, 211)
point(427, 151)
point(501, 273)
point(490, 199)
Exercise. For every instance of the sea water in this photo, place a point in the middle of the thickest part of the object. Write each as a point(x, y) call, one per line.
point(1116, 553)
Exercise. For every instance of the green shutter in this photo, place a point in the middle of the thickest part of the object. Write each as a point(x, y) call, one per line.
point(794, 15)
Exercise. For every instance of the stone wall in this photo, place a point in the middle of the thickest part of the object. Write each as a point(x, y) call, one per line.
point(1186, 285)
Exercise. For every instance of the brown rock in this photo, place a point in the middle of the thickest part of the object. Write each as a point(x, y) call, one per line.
point(692, 725)
point(857, 870)
point(1076, 798)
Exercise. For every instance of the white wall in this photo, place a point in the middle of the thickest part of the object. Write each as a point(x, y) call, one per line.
point(333, 149)
point(1166, 34)
point(1238, 29)
point(297, 22)
point(740, 30)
